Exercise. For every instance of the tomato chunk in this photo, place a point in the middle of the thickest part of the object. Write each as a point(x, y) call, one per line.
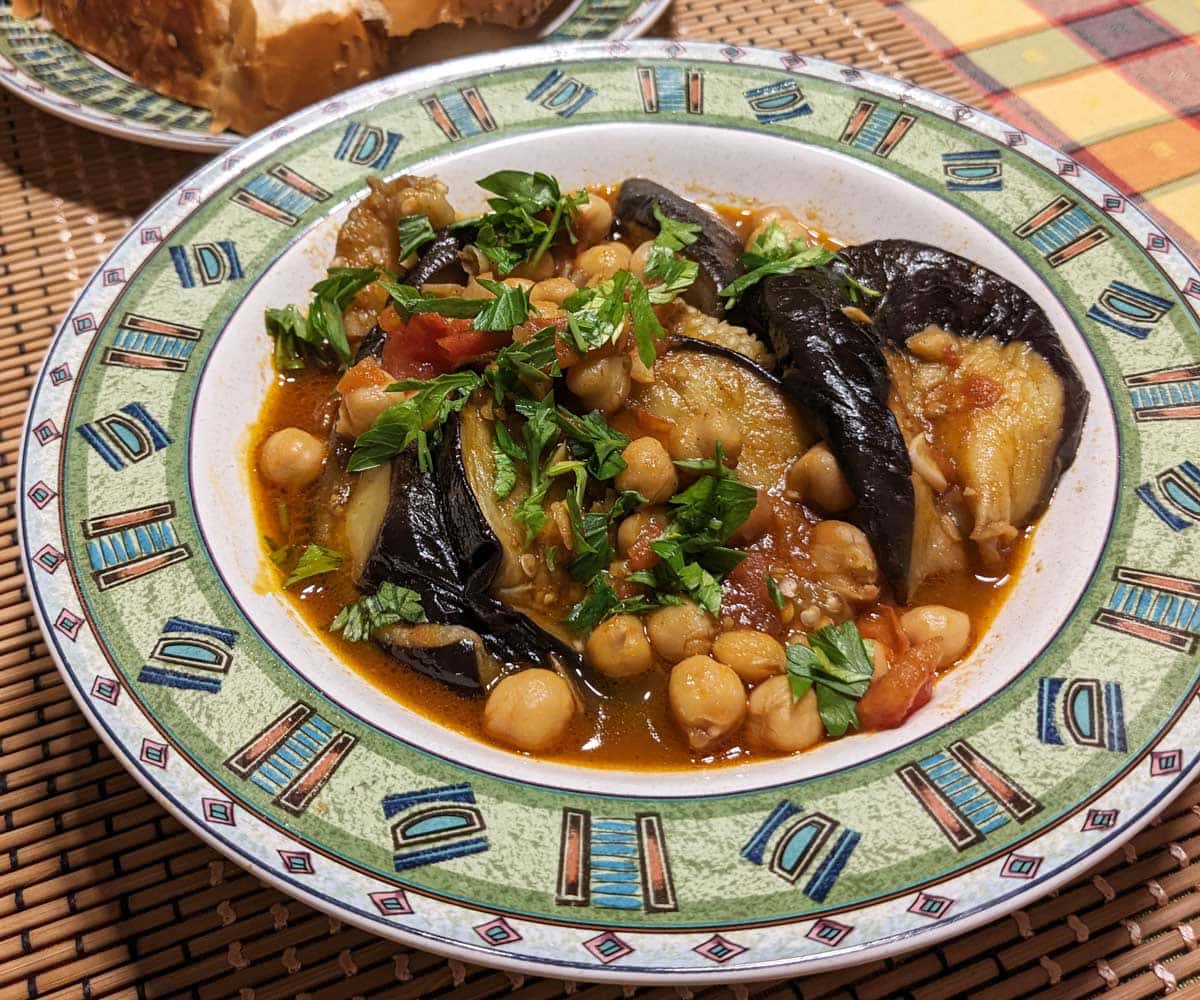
point(428, 345)
point(902, 690)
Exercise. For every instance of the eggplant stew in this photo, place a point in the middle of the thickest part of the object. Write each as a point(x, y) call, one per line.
point(614, 478)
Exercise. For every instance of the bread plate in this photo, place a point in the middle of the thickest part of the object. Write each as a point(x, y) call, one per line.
point(1069, 728)
point(43, 68)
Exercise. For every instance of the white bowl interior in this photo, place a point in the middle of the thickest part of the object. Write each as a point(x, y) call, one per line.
point(856, 202)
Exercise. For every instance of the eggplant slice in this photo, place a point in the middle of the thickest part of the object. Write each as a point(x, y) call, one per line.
point(856, 379)
point(426, 531)
point(716, 249)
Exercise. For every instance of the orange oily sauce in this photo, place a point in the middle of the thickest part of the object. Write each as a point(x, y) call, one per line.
point(633, 731)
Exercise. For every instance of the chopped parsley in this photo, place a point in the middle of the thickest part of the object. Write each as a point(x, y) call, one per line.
point(773, 253)
point(601, 602)
point(857, 291)
point(314, 561)
point(775, 593)
point(592, 550)
point(514, 231)
point(390, 605)
point(319, 337)
point(591, 438)
point(539, 430)
point(837, 666)
point(596, 316)
point(518, 364)
point(674, 275)
point(692, 550)
point(509, 308)
point(674, 234)
point(415, 232)
point(413, 420)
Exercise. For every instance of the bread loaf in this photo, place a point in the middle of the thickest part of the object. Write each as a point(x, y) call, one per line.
point(251, 62)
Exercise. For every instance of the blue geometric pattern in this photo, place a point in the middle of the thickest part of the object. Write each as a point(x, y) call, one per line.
point(296, 752)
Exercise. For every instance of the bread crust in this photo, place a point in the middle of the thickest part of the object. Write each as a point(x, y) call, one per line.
point(216, 55)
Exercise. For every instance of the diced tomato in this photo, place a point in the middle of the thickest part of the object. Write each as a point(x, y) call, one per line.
point(429, 345)
point(882, 623)
point(462, 345)
point(902, 690)
point(366, 372)
point(641, 556)
point(746, 602)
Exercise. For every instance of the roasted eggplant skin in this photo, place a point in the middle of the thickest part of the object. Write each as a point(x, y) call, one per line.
point(923, 285)
point(716, 249)
point(435, 540)
point(835, 371)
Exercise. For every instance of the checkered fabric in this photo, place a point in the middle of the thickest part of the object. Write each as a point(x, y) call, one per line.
point(1114, 84)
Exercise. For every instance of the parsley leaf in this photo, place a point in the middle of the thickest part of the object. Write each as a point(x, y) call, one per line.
point(592, 439)
point(414, 232)
point(773, 253)
point(409, 301)
point(541, 427)
point(513, 231)
point(505, 475)
point(646, 327)
point(333, 294)
point(673, 274)
point(593, 551)
point(413, 420)
point(601, 602)
point(535, 360)
point(314, 561)
point(858, 291)
point(293, 346)
point(389, 605)
point(692, 550)
point(838, 666)
point(673, 234)
point(509, 308)
point(320, 337)
point(774, 592)
point(596, 316)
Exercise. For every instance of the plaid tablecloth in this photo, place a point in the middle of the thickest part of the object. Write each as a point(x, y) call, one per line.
point(1114, 84)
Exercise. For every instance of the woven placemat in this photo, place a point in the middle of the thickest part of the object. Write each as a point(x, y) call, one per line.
point(103, 894)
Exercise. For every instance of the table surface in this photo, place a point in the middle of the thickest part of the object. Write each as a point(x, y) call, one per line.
point(103, 894)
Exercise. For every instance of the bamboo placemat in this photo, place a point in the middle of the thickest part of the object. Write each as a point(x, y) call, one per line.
point(104, 895)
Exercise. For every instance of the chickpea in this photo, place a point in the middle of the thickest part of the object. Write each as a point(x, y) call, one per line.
point(881, 660)
point(593, 220)
point(707, 701)
point(530, 710)
point(776, 722)
point(526, 283)
point(603, 260)
point(752, 655)
point(758, 523)
point(601, 383)
point(291, 458)
point(540, 271)
point(951, 628)
point(842, 559)
point(818, 479)
point(696, 436)
point(632, 527)
point(360, 407)
point(678, 631)
point(555, 290)
point(640, 257)
point(648, 470)
point(618, 647)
